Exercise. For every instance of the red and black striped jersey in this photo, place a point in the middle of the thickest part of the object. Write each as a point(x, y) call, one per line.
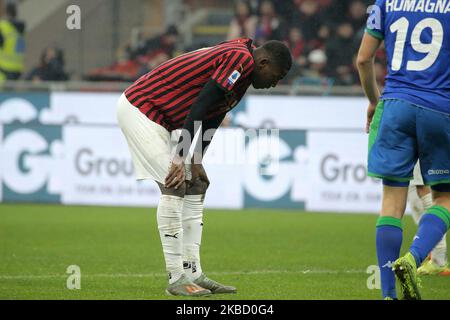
point(166, 94)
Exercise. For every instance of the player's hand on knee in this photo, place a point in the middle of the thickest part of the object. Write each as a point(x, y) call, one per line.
point(176, 175)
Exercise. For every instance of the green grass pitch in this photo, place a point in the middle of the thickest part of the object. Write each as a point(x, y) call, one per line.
point(266, 254)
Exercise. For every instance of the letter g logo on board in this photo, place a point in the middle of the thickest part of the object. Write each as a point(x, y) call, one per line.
point(29, 150)
point(23, 172)
point(30, 167)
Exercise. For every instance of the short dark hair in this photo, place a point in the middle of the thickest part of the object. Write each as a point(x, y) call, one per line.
point(279, 53)
point(172, 30)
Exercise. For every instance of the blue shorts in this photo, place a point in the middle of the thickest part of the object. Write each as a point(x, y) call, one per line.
point(401, 133)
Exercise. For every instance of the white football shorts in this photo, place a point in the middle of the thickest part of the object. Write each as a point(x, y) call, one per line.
point(150, 144)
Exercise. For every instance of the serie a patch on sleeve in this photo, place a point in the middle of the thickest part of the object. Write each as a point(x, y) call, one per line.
point(234, 77)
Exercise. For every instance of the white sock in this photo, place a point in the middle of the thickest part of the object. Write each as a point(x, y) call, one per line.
point(427, 201)
point(439, 253)
point(415, 203)
point(171, 233)
point(192, 234)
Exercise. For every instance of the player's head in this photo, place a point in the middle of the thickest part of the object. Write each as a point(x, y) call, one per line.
point(272, 62)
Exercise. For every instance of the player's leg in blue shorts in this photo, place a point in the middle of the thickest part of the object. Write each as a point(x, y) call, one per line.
point(401, 133)
point(392, 155)
point(437, 164)
point(433, 137)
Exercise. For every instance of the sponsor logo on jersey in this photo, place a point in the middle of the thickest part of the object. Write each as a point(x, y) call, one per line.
point(234, 77)
point(438, 171)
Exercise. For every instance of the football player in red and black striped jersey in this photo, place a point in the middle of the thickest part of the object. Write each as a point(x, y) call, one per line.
point(198, 87)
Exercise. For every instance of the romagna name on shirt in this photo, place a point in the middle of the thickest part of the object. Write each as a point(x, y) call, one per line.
point(429, 6)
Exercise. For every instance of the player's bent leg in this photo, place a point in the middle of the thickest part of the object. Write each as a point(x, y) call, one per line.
point(169, 220)
point(168, 216)
point(433, 225)
point(193, 228)
point(150, 147)
point(435, 164)
point(389, 233)
point(192, 219)
point(420, 200)
point(436, 262)
point(438, 265)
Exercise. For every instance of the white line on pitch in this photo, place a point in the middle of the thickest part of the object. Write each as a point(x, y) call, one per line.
point(150, 275)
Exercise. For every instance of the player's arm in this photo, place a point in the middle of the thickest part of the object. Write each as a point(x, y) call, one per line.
point(365, 64)
point(209, 128)
point(207, 132)
point(209, 96)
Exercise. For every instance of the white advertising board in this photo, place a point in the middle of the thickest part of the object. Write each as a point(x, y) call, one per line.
point(99, 170)
point(319, 163)
point(336, 175)
point(84, 108)
point(286, 112)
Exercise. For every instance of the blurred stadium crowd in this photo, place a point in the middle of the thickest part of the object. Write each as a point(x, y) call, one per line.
point(323, 36)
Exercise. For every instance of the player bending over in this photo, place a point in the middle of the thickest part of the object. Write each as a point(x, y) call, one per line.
point(409, 121)
point(196, 87)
